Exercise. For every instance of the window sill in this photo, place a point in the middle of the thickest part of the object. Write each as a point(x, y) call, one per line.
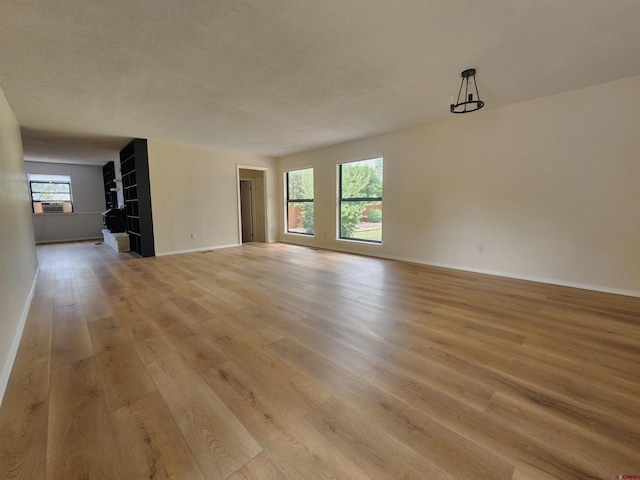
point(304, 235)
point(361, 242)
point(58, 214)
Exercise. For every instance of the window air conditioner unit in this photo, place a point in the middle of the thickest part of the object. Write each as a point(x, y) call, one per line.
point(52, 207)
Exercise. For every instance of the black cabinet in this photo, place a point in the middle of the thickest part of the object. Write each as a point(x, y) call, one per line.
point(110, 192)
point(134, 166)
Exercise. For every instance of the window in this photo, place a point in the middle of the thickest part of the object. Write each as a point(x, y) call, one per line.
point(300, 201)
point(361, 200)
point(50, 193)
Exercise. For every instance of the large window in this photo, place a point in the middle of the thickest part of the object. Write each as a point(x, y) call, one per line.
point(300, 201)
point(50, 193)
point(361, 200)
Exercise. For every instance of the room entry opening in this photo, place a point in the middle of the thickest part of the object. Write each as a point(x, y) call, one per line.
point(246, 210)
point(251, 205)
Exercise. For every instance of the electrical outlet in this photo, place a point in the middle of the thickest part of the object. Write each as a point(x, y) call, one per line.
point(480, 248)
point(193, 235)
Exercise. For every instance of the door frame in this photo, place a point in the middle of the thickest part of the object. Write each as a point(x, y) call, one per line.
point(264, 199)
point(252, 209)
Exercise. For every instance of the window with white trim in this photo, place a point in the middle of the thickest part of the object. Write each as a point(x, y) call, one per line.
point(300, 201)
point(50, 193)
point(360, 205)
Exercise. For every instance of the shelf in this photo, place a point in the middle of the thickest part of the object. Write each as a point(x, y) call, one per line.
point(134, 164)
point(109, 181)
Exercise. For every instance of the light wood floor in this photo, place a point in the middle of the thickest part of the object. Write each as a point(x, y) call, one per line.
point(283, 362)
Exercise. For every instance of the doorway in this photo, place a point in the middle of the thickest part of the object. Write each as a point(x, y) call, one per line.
point(246, 210)
point(251, 204)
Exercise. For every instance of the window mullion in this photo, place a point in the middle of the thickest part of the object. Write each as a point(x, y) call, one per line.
point(361, 199)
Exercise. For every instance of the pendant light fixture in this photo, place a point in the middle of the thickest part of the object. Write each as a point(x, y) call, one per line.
point(468, 94)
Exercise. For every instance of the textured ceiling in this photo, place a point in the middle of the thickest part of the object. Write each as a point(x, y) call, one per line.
point(280, 76)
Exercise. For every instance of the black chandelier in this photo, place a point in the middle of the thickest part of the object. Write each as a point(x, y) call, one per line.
point(468, 103)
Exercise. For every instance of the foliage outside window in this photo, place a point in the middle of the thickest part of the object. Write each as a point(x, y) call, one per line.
point(50, 193)
point(300, 201)
point(361, 200)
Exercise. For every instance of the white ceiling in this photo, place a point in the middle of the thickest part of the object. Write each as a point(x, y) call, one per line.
point(279, 76)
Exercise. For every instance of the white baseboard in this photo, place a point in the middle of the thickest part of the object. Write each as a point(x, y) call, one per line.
point(13, 350)
point(193, 250)
point(63, 240)
point(551, 281)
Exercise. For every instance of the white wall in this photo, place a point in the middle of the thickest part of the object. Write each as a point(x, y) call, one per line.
point(87, 189)
point(18, 261)
point(195, 190)
point(549, 187)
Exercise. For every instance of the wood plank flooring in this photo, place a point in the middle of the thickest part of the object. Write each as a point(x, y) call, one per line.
point(273, 361)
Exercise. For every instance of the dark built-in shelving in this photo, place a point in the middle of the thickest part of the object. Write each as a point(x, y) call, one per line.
point(134, 166)
point(109, 177)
